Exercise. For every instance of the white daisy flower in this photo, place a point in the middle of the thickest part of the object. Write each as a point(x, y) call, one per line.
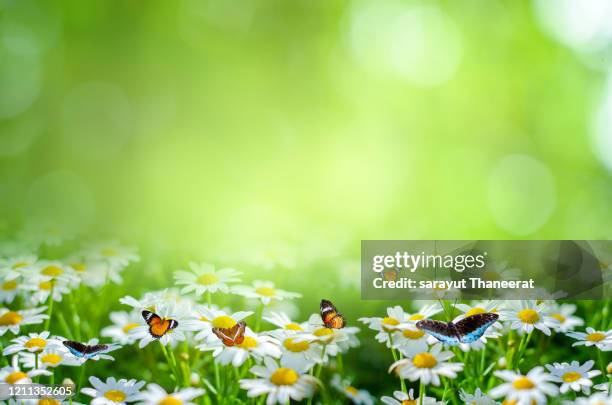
point(296, 349)
point(254, 345)
point(524, 389)
point(111, 252)
point(14, 375)
point(156, 395)
point(207, 318)
point(13, 320)
point(167, 311)
point(33, 343)
point(281, 320)
point(53, 270)
point(402, 398)
point(595, 399)
point(427, 367)
point(564, 313)
point(281, 384)
point(204, 278)
point(123, 323)
point(500, 271)
point(478, 398)
point(525, 316)
point(265, 291)
point(41, 287)
point(50, 357)
point(318, 332)
point(396, 320)
point(410, 340)
point(149, 300)
point(10, 287)
point(573, 376)
point(113, 392)
point(356, 396)
point(16, 266)
point(600, 339)
point(93, 273)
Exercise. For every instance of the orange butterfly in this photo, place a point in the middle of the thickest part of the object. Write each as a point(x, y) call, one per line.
point(158, 327)
point(330, 315)
point(231, 336)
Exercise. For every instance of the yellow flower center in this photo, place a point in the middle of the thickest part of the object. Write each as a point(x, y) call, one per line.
point(207, 279)
point(36, 342)
point(9, 285)
point(224, 322)
point(15, 376)
point(592, 337)
point(523, 383)
point(416, 317)
point(507, 402)
point(10, 318)
point(559, 317)
point(170, 400)
point(388, 322)
point(491, 275)
point(80, 267)
point(409, 402)
point(45, 285)
point(51, 358)
point(48, 401)
point(128, 327)
point(284, 376)
point(52, 271)
point(323, 332)
point(571, 376)
point(528, 315)
point(115, 395)
point(108, 252)
point(296, 347)
point(293, 326)
point(19, 265)
point(266, 291)
point(351, 390)
point(413, 334)
point(248, 343)
point(475, 311)
point(424, 360)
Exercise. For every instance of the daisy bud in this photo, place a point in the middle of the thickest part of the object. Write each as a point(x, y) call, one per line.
point(68, 381)
point(502, 363)
point(184, 356)
point(194, 379)
point(609, 368)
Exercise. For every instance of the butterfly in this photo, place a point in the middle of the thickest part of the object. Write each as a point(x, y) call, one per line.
point(88, 351)
point(158, 327)
point(330, 315)
point(467, 330)
point(231, 336)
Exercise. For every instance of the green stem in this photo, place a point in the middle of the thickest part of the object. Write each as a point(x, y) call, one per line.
point(340, 365)
point(421, 392)
point(171, 365)
point(81, 375)
point(37, 379)
point(50, 310)
point(209, 298)
point(395, 358)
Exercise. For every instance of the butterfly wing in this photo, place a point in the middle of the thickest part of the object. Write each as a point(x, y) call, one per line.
point(158, 327)
point(444, 332)
point(231, 336)
point(472, 328)
point(76, 348)
point(330, 315)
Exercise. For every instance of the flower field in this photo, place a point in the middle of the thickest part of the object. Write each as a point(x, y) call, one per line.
point(186, 343)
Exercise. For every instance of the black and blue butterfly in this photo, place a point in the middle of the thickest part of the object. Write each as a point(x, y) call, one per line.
point(85, 351)
point(467, 330)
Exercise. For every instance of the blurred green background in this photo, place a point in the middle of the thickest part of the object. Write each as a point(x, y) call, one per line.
point(278, 134)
